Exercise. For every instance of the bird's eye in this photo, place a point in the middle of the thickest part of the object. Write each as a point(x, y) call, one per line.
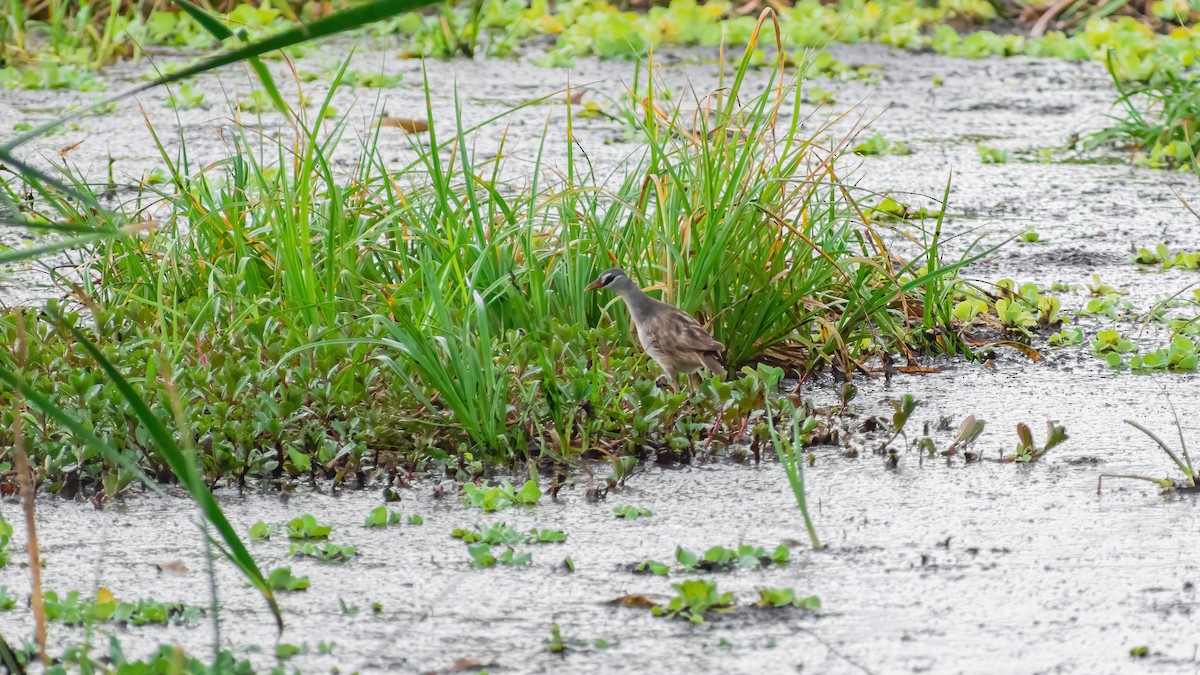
point(608, 279)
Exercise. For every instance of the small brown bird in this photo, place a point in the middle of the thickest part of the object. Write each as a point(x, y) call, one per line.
point(675, 340)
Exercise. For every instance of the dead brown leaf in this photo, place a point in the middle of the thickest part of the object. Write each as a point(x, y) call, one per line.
point(405, 124)
point(634, 600)
point(175, 567)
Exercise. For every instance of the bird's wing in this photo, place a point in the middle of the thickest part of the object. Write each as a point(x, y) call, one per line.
point(675, 330)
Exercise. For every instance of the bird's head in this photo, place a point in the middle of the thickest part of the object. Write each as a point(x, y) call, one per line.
point(607, 278)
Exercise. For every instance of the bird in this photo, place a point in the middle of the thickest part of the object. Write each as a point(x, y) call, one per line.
point(670, 336)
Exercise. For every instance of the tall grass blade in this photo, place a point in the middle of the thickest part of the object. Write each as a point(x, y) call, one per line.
point(789, 452)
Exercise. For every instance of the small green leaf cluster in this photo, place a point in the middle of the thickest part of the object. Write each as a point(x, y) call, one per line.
point(994, 156)
point(877, 145)
point(494, 498)
point(1179, 356)
point(483, 556)
point(382, 516)
point(326, 552)
point(281, 579)
point(1163, 257)
point(786, 597)
point(307, 527)
point(720, 559)
point(73, 610)
point(501, 533)
point(1027, 451)
point(628, 512)
point(693, 600)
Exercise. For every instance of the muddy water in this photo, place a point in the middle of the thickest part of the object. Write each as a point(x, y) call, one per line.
point(933, 566)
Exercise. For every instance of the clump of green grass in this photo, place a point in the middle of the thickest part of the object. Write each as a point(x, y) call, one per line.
point(1156, 121)
point(328, 324)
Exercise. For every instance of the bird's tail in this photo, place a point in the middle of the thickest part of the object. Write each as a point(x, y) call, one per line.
point(712, 361)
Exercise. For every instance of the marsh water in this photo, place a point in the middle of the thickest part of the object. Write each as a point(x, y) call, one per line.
point(935, 565)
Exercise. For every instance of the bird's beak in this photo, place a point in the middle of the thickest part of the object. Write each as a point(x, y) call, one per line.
point(594, 285)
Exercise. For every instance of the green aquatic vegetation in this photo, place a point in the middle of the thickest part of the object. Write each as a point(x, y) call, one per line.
point(628, 512)
point(1098, 288)
point(890, 208)
point(1027, 451)
point(502, 533)
point(1162, 256)
point(307, 527)
point(967, 311)
point(326, 552)
point(1048, 308)
point(995, 156)
point(301, 373)
point(381, 516)
point(72, 609)
point(1108, 306)
point(261, 531)
point(1109, 345)
point(786, 597)
point(1015, 316)
point(164, 659)
point(652, 567)
point(261, 101)
point(693, 600)
point(186, 96)
point(722, 559)
point(902, 410)
point(50, 76)
point(1179, 356)
point(877, 145)
point(557, 643)
point(1157, 120)
point(281, 579)
point(494, 498)
point(6, 531)
point(371, 80)
point(7, 601)
point(1030, 237)
point(1067, 337)
point(817, 95)
point(482, 556)
point(285, 651)
point(968, 432)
